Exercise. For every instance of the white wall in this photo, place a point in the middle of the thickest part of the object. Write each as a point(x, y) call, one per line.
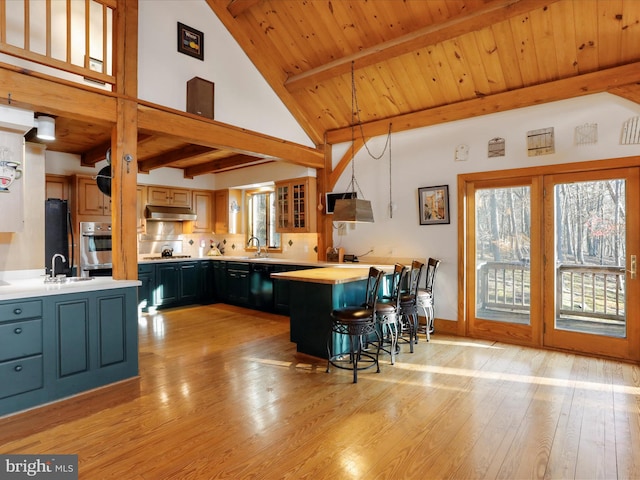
point(242, 96)
point(425, 157)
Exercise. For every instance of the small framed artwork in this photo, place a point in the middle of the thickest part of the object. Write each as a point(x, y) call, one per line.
point(433, 205)
point(190, 41)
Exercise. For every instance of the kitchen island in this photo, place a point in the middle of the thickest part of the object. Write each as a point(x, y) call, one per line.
point(62, 339)
point(315, 294)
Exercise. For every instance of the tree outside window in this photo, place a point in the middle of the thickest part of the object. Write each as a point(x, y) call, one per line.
point(261, 218)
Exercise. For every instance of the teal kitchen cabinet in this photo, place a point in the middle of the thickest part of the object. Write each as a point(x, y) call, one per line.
point(21, 354)
point(146, 291)
point(95, 339)
point(206, 291)
point(176, 283)
point(220, 280)
point(282, 288)
point(60, 345)
point(238, 287)
point(189, 273)
point(167, 291)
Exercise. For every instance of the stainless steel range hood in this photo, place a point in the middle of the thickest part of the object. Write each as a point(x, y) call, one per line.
point(169, 214)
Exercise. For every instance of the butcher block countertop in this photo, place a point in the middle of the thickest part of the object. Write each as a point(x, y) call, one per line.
point(331, 275)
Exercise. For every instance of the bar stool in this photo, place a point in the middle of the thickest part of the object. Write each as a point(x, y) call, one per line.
point(358, 323)
point(387, 313)
point(425, 299)
point(408, 307)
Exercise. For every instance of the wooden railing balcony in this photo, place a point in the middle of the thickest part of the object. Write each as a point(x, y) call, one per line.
point(590, 291)
point(504, 286)
point(73, 36)
point(582, 291)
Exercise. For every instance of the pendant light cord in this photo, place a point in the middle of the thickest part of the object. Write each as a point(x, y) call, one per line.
point(355, 110)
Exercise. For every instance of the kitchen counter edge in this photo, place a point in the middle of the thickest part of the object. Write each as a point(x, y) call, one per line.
point(36, 287)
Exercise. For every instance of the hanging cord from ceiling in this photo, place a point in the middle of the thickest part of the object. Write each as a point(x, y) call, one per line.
point(355, 110)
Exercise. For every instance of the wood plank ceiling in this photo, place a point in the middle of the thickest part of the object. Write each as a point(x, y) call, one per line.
point(415, 63)
point(424, 62)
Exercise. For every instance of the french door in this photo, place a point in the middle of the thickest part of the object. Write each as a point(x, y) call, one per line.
point(591, 246)
point(551, 261)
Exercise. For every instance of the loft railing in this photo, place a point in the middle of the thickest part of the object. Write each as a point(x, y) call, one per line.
point(581, 291)
point(72, 36)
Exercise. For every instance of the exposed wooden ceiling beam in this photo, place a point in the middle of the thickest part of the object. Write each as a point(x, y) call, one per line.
point(228, 163)
point(491, 12)
point(269, 70)
point(629, 92)
point(589, 83)
point(193, 129)
point(35, 91)
point(238, 7)
point(99, 152)
point(167, 159)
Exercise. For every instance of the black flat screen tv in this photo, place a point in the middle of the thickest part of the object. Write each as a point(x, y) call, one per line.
point(333, 196)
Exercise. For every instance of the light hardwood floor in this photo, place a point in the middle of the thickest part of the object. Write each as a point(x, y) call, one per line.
point(223, 394)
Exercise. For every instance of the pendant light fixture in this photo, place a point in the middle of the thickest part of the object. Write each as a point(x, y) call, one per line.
point(46, 127)
point(353, 209)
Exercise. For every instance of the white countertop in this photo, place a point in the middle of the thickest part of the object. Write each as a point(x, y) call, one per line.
point(35, 287)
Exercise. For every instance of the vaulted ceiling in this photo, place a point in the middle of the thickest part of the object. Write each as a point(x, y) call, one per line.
point(413, 63)
point(421, 62)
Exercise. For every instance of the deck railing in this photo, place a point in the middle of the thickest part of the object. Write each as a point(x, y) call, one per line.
point(504, 286)
point(590, 291)
point(581, 291)
point(74, 36)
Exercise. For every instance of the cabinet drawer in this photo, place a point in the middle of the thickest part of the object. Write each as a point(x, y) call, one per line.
point(20, 339)
point(20, 310)
point(19, 376)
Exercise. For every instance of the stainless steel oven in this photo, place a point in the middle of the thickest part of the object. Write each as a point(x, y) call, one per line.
point(95, 249)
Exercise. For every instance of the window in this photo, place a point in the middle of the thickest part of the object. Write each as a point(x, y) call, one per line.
point(261, 218)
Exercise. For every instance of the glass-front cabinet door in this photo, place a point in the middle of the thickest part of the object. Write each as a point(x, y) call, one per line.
point(292, 206)
point(282, 207)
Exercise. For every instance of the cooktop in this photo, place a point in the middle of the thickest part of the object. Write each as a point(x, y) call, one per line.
point(158, 257)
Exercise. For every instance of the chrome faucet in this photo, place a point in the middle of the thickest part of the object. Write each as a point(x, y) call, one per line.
point(259, 252)
point(53, 264)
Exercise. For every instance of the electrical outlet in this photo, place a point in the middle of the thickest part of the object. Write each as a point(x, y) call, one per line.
point(342, 229)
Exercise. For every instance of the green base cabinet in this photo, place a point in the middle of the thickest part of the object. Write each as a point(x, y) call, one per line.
point(238, 283)
point(146, 275)
point(66, 344)
point(206, 293)
point(311, 305)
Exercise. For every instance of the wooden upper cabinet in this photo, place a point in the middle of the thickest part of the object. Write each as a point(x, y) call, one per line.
point(294, 209)
point(202, 203)
point(221, 202)
point(176, 197)
point(228, 217)
point(91, 201)
point(56, 186)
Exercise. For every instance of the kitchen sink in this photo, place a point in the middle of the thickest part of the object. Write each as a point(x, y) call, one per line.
point(59, 280)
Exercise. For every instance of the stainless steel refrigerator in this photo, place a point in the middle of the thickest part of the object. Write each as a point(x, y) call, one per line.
point(58, 236)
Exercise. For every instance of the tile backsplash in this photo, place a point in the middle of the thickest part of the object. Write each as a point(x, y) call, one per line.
point(295, 246)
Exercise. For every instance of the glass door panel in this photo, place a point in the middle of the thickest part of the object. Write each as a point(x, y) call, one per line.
point(503, 291)
point(503, 285)
point(591, 249)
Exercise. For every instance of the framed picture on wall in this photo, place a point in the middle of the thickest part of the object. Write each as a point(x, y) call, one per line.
point(433, 205)
point(190, 41)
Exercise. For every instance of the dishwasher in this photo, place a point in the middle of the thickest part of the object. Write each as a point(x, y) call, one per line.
point(261, 286)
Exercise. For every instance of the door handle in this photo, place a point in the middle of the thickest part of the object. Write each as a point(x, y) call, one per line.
point(633, 267)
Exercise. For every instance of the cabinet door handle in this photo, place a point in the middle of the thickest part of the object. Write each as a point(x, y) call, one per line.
point(18, 368)
point(17, 330)
point(17, 311)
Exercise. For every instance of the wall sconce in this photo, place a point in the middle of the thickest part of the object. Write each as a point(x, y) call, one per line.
point(46, 127)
